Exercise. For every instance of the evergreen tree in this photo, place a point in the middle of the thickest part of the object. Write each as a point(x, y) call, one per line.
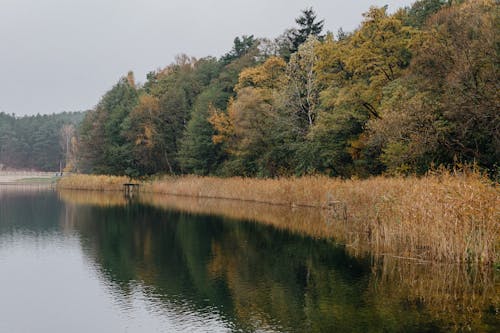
point(308, 25)
point(33, 142)
point(421, 10)
point(103, 142)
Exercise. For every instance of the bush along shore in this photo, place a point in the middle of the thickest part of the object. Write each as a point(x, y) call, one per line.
point(442, 217)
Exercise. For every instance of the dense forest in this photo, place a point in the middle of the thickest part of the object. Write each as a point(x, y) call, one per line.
point(403, 93)
point(41, 142)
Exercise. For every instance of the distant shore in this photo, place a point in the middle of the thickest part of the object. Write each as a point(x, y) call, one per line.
point(443, 217)
point(27, 177)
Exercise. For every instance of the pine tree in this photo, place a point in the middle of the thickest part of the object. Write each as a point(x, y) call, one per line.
point(308, 25)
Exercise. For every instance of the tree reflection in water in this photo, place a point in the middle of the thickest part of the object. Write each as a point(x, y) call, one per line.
point(286, 272)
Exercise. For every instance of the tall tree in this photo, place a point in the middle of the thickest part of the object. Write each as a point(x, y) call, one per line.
point(302, 86)
point(447, 107)
point(143, 134)
point(198, 153)
point(248, 126)
point(103, 143)
point(67, 139)
point(176, 88)
point(241, 45)
point(308, 25)
point(420, 11)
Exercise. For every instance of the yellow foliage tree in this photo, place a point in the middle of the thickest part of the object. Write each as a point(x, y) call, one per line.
point(244, 128)
point(268, 75)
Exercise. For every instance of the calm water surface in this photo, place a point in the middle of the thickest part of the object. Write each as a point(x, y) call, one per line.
point(70, 264)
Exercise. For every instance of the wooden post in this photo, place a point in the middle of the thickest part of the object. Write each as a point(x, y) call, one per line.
point(129, 188)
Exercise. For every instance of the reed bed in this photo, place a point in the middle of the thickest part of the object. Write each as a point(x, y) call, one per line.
point(93, 182)
point(92, 198)
point(442, 217)
point(455, 294)
point(460, 296)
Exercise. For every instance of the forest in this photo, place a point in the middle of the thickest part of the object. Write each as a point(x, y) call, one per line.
point(404, 93)
point(41, 142)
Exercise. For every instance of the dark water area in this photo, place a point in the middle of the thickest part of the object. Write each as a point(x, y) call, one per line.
point(116, 265)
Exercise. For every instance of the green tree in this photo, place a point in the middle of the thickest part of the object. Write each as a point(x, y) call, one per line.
point(198, 153)
point(420, 11)
point(241, 45)
point(308, 25)
point(33, 142)
point(451, 96)
point(353, 72)
point(103, 143)
point(142, 132)
point(246, 129)
point(175, 89)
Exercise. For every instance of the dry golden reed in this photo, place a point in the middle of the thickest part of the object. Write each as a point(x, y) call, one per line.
point(93, 182)
point(443, 217)
point(92, 198)
point(455, 294)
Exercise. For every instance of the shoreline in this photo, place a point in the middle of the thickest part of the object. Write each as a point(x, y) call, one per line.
point(439, 218)
point(28, 178)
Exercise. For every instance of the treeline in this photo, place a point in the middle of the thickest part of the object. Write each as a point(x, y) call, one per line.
point(401, 94)
point(41, 142)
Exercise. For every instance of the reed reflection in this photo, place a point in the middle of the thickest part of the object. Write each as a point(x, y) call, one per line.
point(286, 272)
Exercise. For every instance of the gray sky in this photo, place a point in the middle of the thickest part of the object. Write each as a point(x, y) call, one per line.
point(63, 55)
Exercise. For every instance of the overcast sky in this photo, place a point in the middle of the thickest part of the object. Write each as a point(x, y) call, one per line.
point(63, 55)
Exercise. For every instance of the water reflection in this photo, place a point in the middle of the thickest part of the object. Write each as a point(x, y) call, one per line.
point(240, 257)
point(180, 264)
point(254, 275)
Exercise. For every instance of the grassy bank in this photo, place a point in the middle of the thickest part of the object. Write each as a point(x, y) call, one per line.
point(443, 217)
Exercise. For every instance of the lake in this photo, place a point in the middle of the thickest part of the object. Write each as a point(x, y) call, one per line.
point(100, 262)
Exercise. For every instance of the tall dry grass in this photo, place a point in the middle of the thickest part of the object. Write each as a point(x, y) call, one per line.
point(455, 294)
point(441, 217)
point(92, 198)
point(93, 182)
